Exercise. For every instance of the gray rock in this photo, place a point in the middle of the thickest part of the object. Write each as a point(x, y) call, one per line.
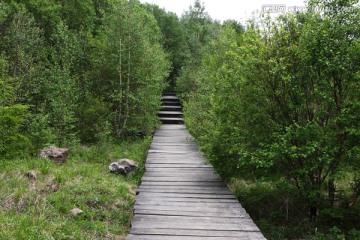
point(76, 211)
point(31, 176)
point(123, 166)
point(58, 155)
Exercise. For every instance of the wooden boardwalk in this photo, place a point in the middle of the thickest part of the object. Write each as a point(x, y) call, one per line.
point(180, 197)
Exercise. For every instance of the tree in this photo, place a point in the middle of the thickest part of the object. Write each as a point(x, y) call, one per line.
point(13, 142)
point(200, 30)
point(132, 77)
point(173, 39)
point(282, 102)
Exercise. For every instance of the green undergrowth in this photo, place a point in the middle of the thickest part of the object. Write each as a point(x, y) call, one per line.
point(280, 212)
point(40, 209)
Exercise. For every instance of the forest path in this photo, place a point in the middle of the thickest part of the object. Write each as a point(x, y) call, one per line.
point(182, 198)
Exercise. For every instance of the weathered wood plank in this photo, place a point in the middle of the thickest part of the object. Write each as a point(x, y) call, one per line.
point(165, 165)
point(216, 212)
point(206, 187)
point(192, 183)
point(184, 175)
point(189, 213)
point(196, 223)
point(187, 195)
point(171, 161)
point(173, 237)
point(189, 191)
point(181, 199)
point(209, 204)
point(204, 191)
point(182, 179)
point(198, 233)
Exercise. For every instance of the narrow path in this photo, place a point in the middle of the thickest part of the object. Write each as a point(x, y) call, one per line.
point(181, 198)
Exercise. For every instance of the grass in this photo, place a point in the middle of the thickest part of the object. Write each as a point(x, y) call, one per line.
point(281, 213)
point(40, 209)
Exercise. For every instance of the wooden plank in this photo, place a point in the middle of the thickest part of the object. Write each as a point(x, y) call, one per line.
point(203, 219)
point(183, 169)
point(174, 144)
point(182, 178)
point(214, 204)
point(196, 223)
point(156, 165)
point(201, 210)
point(187, 195)
point(236, 211)
point(192, 185)
point(168, 152)
point(204, 174)
point(173, 237)
point(203, 191)
point(171, 161)
point(189, 213)
point(183, 199)
point(189, 170)
point(198, 233)
point(217, 188)
point(182, 189)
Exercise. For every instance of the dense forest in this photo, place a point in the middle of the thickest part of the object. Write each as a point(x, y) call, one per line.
point(274, 103)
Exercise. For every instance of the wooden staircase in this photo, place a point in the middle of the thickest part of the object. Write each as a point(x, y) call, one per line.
point(171, 111)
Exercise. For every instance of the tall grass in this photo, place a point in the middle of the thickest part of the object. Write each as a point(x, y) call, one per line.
point(40, 209)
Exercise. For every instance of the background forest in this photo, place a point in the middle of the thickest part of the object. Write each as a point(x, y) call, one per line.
point(274, 105)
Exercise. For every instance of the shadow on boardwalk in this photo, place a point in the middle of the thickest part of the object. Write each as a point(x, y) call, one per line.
point(181, 198)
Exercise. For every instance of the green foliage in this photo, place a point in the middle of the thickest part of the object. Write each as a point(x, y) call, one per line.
point(173, 39)
point(132, 76)
point(13, 142)
point(199, 30)
point(93, 122)
point(62, 95)
point(87, 69)
point(274, 102)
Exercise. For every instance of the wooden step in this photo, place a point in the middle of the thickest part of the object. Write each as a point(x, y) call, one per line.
point(170, 114)
point(170, 98)
point(171, 111)
point(171, 103)
point(165, 120)
point(171, 108)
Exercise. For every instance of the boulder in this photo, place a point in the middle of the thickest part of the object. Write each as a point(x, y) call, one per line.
point(58, 155)
point(76, 211)
point(31, 176)
point(123, 166)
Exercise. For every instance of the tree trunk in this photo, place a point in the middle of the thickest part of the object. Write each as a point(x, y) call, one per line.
point(331, 192)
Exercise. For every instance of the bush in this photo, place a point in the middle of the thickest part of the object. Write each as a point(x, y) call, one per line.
point(92, 117)
point(12, 141)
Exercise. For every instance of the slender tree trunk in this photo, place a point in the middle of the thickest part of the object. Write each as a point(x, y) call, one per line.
point(119, 113)
point(331, 193)
point(128, 84)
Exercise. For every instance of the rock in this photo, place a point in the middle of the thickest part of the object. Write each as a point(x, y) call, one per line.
point(31, 176)
point(76, 211)
point(58, 155)
point(123, 166)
